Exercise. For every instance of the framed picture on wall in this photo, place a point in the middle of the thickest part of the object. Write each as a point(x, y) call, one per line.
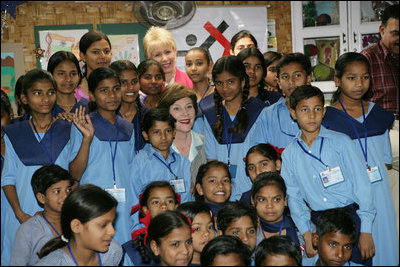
point(53, 38)
point(126, 40)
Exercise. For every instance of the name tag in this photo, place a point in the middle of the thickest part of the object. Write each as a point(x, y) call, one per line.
point(374, 174)
point(117, 193)
point(331, 176)
point(178, 185)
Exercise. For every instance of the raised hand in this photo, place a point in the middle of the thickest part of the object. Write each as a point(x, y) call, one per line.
point(83, 123)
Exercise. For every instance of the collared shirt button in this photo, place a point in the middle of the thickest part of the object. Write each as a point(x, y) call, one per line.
point(314, 176)
point(325, 199)
point(309, 151)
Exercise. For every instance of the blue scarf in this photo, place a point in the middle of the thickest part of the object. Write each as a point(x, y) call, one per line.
point(214, 208)
point(125, 128)
point(275, 227)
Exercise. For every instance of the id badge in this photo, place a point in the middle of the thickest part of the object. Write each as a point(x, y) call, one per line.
point(232, 170)
point(117, 193)
point(331, 176)
point(374, 174)
point(178, 185)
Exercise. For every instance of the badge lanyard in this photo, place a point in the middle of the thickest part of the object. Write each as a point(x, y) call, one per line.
point(137, 136)
point(55, 230)
point(365, 152)
point(205, 92)
point(280, 127)
point(43, 145)
point(168, 165)
point(228, 138)
point(73, 257)
point(280, 227)
point(109, 141)
point(320, 150)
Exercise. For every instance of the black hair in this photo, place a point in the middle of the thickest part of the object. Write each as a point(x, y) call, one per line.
point(33, 76)
point(248, 52)
point(336, 220)
point(203, 169)
point(269, 178)
point(240, 35)
point(85, 203)
point(305, 92)
point(205, 51)
point(48, 175)
point(340, 68)
point(192, 208)
point(5, 104)
point(224, 245)
point(95, 77)
point(163, 224)
point(61, 56)
point(299, 58)
point(145, 253)
point(17, 94)
point(122, 65)
point(157, 114)
point(87, 40)
point(277, 245)
point(390, 12)
point(232, 211)
point(264, 149)
point(144, 66)
point(234, 66)
point(270, 57)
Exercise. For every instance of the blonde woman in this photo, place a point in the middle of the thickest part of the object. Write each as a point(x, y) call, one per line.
point(159, 44)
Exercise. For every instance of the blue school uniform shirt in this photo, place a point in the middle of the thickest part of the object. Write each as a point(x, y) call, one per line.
point(18, 171)
point(313, 262)
point(214, 150)
point(384, 226)
point(301, 173)
point(99, 170)
point(279, 127)
point(147, 168)
point(31, 236)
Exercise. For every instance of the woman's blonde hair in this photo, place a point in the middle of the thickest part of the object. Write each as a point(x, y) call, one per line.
point(175, 92)
point(155, 37)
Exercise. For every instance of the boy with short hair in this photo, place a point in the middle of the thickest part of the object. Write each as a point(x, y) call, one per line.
point(334, 239)
point(51, 184)
point(323, 170)
point(278, 250)
point(239, 219)
point(293, 70)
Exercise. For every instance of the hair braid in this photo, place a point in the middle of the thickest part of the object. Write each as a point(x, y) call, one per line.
point(218, 126)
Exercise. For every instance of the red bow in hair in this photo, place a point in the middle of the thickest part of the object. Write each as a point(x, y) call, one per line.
point(178, 198)
point(146, 221)
point(190, 222)
point(278, 150)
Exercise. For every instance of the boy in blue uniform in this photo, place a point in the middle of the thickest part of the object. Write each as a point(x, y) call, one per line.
point(293, 70)
point(334, 239)
point(325, 170)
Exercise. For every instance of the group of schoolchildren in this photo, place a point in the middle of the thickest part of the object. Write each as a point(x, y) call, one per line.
point(90, 177)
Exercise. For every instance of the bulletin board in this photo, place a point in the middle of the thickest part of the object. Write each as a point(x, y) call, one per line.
point(126, 40)
point(53, 38)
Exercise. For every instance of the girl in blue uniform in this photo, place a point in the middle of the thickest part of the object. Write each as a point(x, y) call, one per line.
point(261, 158)
point(213, 185)
point(131, 109)
point(232, 123)
point(157, 161)
point(30, 144)
point(368, 126)
point(151, 80)
point(64, 67)
point(157, 197)
point(268, 196)
point(256, 69)
point(87, 218)
point(107, 145)
point(203, 230)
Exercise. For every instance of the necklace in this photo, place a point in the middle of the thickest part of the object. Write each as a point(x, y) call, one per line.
point(45, 127)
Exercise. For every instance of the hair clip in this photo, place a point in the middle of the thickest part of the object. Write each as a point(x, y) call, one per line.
point(64, 239)
point(190, 222)
point(278, 150)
